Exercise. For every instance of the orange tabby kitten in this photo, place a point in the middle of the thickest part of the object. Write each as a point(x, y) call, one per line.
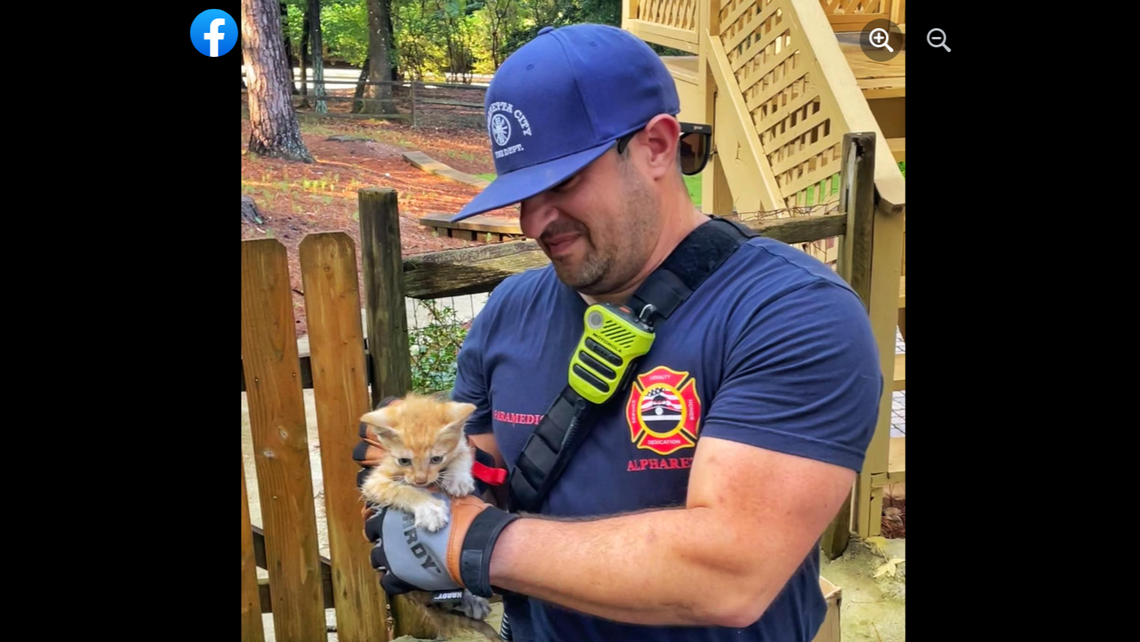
point(426, 447)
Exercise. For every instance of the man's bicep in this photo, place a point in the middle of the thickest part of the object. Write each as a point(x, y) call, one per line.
point(774, 506)
point(802, 377)
point(760, 482)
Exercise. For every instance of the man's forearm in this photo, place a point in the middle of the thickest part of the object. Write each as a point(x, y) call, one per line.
point(668, 567)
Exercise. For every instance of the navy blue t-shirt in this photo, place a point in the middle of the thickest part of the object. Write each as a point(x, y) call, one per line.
point(774, 350)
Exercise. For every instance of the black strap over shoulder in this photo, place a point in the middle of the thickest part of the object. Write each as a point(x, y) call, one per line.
point(570, 418)
point(693, 261)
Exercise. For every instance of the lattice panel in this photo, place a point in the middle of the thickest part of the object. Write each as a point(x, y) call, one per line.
point(681, 14)
point(792, 112)
point(856, 7)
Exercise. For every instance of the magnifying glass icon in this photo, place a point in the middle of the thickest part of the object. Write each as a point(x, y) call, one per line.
point(937, 38)
point(879, 38)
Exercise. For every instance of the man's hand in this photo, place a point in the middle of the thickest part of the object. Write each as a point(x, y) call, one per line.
point(458, 555)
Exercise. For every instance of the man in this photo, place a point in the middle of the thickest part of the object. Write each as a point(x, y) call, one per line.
point(697, 500)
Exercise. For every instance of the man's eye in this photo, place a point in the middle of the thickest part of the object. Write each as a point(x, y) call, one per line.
point(404, 462)
point(436, 459)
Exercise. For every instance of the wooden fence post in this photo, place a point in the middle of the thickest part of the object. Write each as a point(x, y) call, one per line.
point(415, 125)
point(384, 294)
point(857, 201)
point(388, 336)
point(872, 251)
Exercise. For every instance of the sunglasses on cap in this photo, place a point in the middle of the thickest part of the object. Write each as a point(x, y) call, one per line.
point(694, 148)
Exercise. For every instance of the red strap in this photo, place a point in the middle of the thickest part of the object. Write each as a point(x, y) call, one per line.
point(486, 474)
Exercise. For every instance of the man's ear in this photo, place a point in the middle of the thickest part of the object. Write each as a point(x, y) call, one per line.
point(661, 137)
point(381, 424)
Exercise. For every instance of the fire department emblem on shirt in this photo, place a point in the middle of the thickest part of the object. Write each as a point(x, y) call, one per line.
point(663, 411)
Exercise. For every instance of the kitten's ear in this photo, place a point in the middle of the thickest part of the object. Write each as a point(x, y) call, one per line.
point(458, 412)
point(381, 422)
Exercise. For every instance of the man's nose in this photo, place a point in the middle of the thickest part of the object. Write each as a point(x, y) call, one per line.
point(536, 213)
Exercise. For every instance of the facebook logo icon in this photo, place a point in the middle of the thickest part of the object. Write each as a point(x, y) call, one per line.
point(213, 33)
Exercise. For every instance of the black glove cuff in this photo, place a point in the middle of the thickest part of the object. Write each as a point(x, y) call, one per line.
point(475, 556)
point(359, 451)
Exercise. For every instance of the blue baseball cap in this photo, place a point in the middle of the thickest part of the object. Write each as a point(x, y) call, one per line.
point(561, 101)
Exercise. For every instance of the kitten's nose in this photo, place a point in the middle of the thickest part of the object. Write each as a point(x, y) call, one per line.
point(421, 481)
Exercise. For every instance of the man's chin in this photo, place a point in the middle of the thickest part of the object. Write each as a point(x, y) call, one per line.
point(577, 278)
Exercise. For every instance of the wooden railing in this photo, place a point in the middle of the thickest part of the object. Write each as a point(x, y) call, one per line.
point(780, 66)
point(853, 15)
point(672, 23)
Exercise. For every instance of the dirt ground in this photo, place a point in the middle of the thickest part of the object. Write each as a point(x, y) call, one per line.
point(295, 199)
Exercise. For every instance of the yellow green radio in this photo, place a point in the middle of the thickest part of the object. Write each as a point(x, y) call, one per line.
point(612, 340)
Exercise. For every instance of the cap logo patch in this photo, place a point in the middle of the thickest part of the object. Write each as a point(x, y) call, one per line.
point(499, 126)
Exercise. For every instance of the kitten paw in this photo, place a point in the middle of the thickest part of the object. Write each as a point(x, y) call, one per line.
point(431, 516)
point(460, 487)
point(474, 607)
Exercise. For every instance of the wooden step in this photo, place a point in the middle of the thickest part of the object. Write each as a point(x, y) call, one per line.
point(475, 228)
point(429, 164)
point(900, 371)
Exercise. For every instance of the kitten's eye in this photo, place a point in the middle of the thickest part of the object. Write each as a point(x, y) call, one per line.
point(404, 462)
point(436, 459)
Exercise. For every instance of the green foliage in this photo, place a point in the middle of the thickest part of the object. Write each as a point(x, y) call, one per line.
point(533, 15)
point(344, 29)
point(435, 348)
point(436, 37)
point(902, 168)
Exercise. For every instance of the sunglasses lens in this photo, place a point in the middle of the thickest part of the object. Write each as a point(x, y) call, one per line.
point(694, 153)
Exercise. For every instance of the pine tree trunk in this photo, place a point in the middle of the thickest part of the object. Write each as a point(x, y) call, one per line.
point(273, 122)
point(318, 57)
point(305, 60)
point(380, 68)
point(391, 39)
point(288, 50)
point(241, 50)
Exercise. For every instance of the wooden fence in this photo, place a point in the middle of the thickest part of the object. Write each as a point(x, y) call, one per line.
point(301, 584)
point(419, 103)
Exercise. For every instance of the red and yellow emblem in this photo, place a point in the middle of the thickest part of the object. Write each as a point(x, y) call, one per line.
point(664, 411)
